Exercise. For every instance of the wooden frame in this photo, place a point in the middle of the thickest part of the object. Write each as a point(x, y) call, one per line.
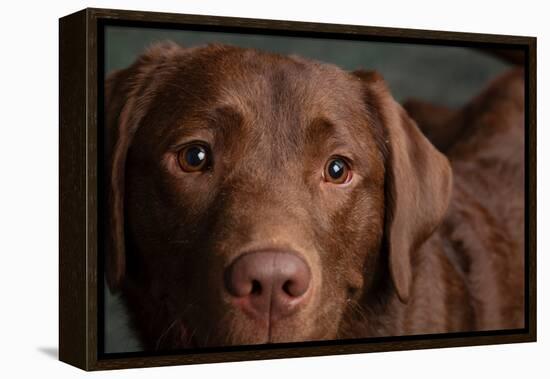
point(79, 73)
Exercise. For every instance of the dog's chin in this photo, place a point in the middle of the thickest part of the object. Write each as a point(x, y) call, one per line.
point(183, 336)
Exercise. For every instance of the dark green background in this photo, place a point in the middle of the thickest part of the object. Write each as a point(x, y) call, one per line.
point(444, 75)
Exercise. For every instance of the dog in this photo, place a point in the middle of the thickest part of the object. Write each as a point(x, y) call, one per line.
point(256, 198)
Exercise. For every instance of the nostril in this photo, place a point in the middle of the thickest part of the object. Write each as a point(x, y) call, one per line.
point(295, 287)
point(256, 288)
point(288, 288)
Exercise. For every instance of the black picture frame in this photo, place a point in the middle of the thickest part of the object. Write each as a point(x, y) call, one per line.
point(81, 75)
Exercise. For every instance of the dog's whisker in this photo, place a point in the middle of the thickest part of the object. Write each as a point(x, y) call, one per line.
point(165, 333)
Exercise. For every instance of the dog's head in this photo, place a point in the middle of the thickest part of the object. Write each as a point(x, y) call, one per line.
point(258, 198)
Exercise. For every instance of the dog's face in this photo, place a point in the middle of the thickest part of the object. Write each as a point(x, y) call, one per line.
point(253, 198)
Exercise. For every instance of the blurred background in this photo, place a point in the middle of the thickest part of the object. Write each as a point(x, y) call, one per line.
point(445, 75)
point(440, 74)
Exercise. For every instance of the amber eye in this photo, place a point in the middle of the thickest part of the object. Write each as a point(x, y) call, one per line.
point(337, 171)
point(193, 158)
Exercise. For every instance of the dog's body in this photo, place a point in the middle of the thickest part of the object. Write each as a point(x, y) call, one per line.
point(482, 235)
point(230, 221)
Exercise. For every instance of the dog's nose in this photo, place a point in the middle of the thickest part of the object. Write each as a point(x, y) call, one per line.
point(269, 284)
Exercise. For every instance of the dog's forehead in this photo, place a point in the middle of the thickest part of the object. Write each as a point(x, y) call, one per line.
point(290, 96)
point(274, 97)
point(261, 82)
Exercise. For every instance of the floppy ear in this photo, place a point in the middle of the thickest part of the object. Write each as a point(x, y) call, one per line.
point(418, 182)
point(128, 93)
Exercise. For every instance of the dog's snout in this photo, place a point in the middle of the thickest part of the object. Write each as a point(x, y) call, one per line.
point(269, 284)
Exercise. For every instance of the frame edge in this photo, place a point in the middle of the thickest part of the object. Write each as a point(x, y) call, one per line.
point(73, 300)
point(531, 132)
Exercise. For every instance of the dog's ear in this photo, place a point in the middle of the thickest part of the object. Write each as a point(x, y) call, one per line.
point(128, 93)
point(418, 181)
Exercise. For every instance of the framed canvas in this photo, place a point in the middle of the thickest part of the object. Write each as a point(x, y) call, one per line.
point(238, 189)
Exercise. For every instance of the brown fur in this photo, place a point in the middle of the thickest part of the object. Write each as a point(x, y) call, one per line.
point(377, 266)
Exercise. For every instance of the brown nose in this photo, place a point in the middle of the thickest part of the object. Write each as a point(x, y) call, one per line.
point(268, 284)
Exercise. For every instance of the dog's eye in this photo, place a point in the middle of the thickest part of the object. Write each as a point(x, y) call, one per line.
point(337, 171)
point(193, 158)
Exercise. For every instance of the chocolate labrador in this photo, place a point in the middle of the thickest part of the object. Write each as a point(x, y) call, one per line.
point(256, 198)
